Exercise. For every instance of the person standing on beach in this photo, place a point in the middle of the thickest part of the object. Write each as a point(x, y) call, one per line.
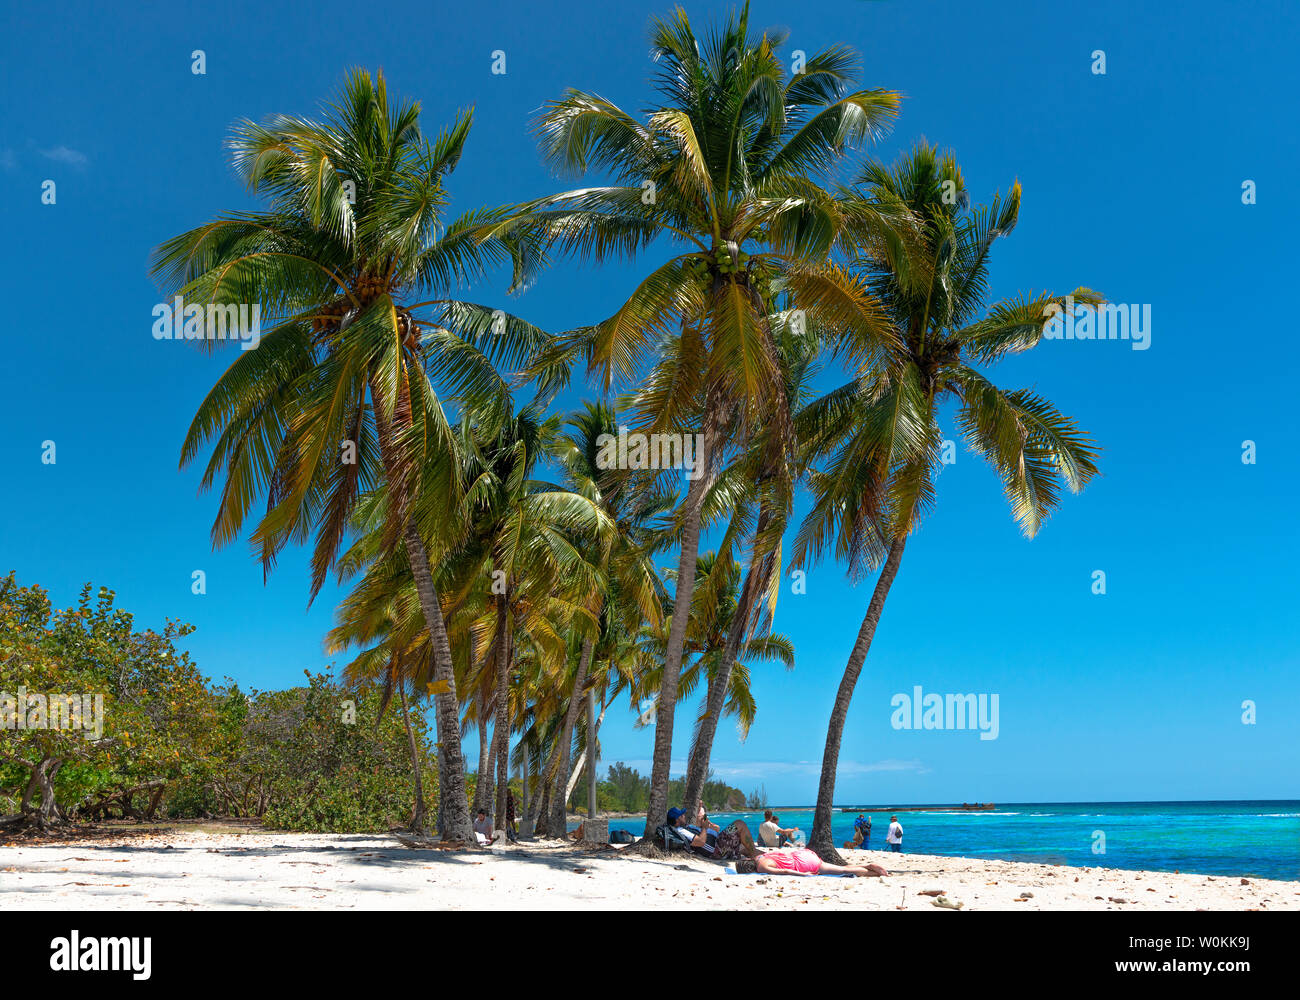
point(863, 826)
point(894, 838)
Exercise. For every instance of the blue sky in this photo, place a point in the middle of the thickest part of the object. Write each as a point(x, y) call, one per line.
point(1132, 185)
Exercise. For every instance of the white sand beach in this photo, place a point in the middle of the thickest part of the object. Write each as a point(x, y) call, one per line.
point(197, 870)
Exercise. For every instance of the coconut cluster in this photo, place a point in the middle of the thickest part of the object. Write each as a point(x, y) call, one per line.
point(366, 289)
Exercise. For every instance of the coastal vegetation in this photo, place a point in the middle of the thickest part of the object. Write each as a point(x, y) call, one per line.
point(511, 572)
point(152, 739)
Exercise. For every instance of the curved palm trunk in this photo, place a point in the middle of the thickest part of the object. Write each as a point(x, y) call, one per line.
point(581, 762)
point(667, 703)
point(697, 769)
point(564, 745)
point(544, 804)
point(820, 841)
point(453, 804)
point(418, 816)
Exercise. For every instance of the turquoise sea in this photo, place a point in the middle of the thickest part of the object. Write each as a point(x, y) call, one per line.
point(1216, 838)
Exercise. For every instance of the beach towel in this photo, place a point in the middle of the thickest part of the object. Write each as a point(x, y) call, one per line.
point(730, 870)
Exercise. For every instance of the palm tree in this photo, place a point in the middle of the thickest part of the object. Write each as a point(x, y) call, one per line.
point(879, 433)
point(628, 499)
point(540, 550)
point(352, 264)
point(725, 170)
point(760, 503)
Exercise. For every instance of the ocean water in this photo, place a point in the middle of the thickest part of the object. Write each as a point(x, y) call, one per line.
point(1214, 838)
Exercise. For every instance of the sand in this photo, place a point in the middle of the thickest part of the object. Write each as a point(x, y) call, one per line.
point(195, 870)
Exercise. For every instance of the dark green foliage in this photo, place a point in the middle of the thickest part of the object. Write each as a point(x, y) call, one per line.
point(626, 790)
point(310, 758)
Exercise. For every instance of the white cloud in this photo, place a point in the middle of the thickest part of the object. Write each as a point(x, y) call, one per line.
point(760, 769)
point(63, 154)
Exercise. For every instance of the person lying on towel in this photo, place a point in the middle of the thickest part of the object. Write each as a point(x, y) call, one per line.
point(801, 861)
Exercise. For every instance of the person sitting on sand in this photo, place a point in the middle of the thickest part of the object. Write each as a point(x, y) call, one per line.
point(712, 841)
point(786, 835)
point(801, 861)
point(483, 829)
point(771, 834)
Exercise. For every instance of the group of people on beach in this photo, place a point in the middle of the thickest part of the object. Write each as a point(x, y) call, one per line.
point(862, 834)
point(737, 843)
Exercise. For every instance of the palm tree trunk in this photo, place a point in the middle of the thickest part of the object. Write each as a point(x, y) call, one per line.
point(485, 785)
point(487, 774)
point(482, 748)
point(697, 769)
point(667, 703)
point(581, 762)
point(453, 804)
point(417, 818)
point(501, 729)
point(594, 756)
point(564, 745)
point(821, 841)
point(544, 804)
point(534, 811)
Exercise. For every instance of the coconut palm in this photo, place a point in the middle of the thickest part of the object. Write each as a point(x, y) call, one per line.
point(539, 549)
point(354, 269)
point(725, 170)
point(760, 508)
point(632, 594)
point(878, 436)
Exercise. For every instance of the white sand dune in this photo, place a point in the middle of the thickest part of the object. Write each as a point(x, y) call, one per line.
point(194, 870)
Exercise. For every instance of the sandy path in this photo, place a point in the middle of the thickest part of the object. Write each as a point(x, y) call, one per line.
point(195, 870)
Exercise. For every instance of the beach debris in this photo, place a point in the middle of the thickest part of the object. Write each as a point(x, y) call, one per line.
point(1245, 881)
point(931, 892)
point(1117, 899)
point(946, 903)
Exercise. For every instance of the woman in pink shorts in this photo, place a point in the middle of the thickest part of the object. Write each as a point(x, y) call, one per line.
point(800, 861)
